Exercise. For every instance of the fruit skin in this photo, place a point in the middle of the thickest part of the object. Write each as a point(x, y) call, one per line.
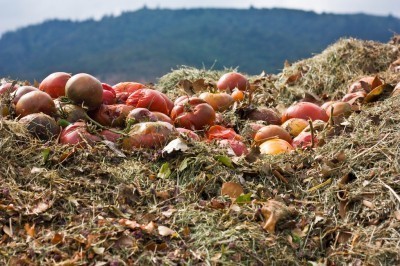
point(188, 133)
point(303, 140)
point(150, 99)
point(238, 147)
point(70, 112)
point(35, 102)
point(149, 135)
point(306, 111)
point(294, 126)
point(220, 132)
point(232, 80)
point(272, 131)
point(54, 84)
point(237, 95)
point(163, 117)
point(41, 126)
point(84, 89)
point(265, 114)
point(111, 115)
point(18, 93)
point(124, 89)
point(218, 101)
point(109, 95)
point(193, 113)
point(139, 115)
point(340, 109)
point(7, 87)
point(275, 146)
point(77, 134)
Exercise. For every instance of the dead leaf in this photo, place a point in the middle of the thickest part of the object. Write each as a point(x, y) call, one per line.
point(397, 214)
point(164, 195)
point(294, 77)
point(199, 85)
point(165, 231)
point(30, 230)
point(98, 250)
point(231, 189)
point(273, 212)
point(41, 207)
point(377, 92)
point(156, 247)
point(129, 223)
point(168, 213)
point(8, 231)
point(57, 238)
point(217, 204)
point(150, 227)
point(216, 257)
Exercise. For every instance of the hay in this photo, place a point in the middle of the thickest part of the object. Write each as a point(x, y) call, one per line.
point(67, 206)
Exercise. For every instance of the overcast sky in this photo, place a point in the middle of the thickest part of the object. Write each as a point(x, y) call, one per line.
point(19, 13)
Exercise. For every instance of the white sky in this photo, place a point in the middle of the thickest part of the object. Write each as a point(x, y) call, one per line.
point(19, 13)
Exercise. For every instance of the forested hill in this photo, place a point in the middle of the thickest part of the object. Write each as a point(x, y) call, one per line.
point(145, 44)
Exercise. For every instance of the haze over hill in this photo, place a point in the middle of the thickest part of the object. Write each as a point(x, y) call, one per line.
point(145, 44)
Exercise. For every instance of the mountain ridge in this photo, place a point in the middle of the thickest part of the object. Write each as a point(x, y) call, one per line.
point(147, 43)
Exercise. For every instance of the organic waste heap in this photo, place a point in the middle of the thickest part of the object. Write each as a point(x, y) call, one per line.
point(206, 166)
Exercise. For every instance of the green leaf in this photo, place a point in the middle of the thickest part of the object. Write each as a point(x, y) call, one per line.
point(184, 164)
point(45, 154)
point(165, 171)
point(225, 160)
point(244, 198)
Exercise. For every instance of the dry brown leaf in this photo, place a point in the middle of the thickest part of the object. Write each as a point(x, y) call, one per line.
point(129, 223)
point(273, 212)
point(8, 231)
point(165, 231)
point(156, 247)
point(199, 86)
point(217, 204)
point(293, 78)
point(164, 195)
point(231, 189)
point(150, 227)
point(41, 207)
point(377, 92)
point(168, 213)
point(30, 230)
point(57, 238)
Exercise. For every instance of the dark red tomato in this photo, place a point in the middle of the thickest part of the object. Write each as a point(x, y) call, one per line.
point(238, 147)
point(7, 87)
point(150, 99)
point(193, 113)
point(18, 93)
point(111, 115)
point(124, 89)
point(35, 102)
point(41, 126)
point(109, 95)
point(188, 133)
point(220, 132)
point(77, 134)
point(232, 80)
point(305, 110)
point(84, 89)
point(54, 84)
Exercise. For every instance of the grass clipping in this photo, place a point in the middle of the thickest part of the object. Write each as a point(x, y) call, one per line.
point(66, 206)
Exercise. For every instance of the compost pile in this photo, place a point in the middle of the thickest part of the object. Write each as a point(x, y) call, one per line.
point(109, 177)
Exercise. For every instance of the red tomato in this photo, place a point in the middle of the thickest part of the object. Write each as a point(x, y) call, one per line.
point(124, 89)
point(220, 132)
point(112, 115)
point(238, 147)
point(54, 84)
point(305, 110)
point(163, 117)
point(193, 113)
point(232, 80)
point(150, 99)
point(77, 134)
point(109, 95)
point(271, 131)
point(7, 87)
point(35, 102)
